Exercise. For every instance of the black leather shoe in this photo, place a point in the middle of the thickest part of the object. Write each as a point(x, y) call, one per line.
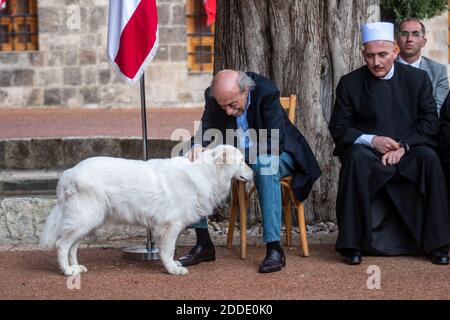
point(440, 256)
point(198, 254)
point(273, 261)
point(351, 257)
point(440, 260)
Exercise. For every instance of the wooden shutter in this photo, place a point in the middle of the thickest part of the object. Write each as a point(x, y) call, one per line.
point(19, 26)
point(200, 38)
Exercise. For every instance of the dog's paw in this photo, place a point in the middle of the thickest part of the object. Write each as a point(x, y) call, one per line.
point(178, 263)
point(71, 271)
point(179, 271)
point(80, 268)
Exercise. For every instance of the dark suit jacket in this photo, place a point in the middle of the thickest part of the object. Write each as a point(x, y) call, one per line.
point(444, 138)
point(266, 112)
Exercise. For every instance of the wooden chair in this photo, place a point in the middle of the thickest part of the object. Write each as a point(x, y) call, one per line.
point(240, 199)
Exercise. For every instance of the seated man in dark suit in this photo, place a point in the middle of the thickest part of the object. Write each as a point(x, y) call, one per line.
point(248, 106)
point(411, 39)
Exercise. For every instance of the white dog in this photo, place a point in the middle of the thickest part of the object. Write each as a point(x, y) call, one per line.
point(165, 195)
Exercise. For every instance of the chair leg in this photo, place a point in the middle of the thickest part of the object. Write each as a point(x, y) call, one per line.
point(243, 218)
point(302, 228)
point(233, 215)
point(287, 219)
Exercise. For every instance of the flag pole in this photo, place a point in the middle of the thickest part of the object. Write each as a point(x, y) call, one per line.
point(149, 252)
point(150, 244)
point(144, 118)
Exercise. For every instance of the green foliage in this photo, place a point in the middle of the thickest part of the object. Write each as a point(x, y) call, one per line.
point(397, 10)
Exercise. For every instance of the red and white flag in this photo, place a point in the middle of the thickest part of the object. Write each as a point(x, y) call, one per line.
point(2, 4)
point(210, 8)
point(133, 37)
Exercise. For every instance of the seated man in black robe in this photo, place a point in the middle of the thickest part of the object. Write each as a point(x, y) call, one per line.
point(445, 139)
point(392, 197)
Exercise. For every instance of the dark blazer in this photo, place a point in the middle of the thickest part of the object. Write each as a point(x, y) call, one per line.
point(266, 112)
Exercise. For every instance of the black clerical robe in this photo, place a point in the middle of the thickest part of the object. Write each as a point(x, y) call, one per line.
point(391, 210)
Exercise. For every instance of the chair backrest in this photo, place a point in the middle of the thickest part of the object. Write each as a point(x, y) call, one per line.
point(290, 105)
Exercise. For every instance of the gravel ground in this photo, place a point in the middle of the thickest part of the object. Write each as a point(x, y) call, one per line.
point(31, 274)
point(34, 275)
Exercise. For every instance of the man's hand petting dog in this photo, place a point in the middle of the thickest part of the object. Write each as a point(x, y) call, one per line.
point(195, 153)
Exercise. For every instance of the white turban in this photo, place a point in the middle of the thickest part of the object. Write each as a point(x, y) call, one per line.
point(377, 31)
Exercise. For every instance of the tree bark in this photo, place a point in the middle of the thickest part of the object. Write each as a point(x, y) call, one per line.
point(304, 46)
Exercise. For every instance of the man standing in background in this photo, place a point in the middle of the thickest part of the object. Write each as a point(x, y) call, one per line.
point(411, 39)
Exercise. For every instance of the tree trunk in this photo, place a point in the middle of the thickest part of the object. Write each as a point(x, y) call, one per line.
point(304, 46)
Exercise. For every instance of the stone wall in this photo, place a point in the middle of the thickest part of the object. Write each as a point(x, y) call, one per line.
point(22, 220)
point(437, 36)
point(63, 153)
point(70, 69)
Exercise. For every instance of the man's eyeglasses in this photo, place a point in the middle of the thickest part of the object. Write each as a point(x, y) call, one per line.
point(414, 34)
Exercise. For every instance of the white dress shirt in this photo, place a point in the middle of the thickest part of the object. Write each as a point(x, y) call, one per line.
point(414, 64)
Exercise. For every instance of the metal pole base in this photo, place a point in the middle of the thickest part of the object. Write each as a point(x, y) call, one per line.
point(142, 253)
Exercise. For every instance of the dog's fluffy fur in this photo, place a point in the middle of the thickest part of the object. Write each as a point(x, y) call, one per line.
point(164, 195)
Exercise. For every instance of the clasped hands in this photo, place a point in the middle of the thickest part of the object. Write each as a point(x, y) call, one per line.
point(391, 150)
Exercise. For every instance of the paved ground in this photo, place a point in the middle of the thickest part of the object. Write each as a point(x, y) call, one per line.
point(50, 123)
point(34, 275)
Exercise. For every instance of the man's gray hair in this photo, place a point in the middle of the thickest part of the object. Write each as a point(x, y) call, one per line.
point(412, 19)
point(244, 81)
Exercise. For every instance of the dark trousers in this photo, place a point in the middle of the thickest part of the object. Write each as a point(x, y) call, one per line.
point(416, 191)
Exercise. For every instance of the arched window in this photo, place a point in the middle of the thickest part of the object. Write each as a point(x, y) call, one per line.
point(18, 26)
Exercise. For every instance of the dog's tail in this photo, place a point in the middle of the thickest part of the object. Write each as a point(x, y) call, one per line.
point(64, 190)
point(50, 233)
